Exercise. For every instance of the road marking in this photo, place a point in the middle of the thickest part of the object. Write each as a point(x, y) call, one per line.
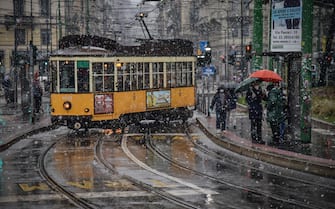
point(119, 184)
point(39, 186)
point(84, 185)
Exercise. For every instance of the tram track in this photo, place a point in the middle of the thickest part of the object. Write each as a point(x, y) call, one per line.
point(146, 187)
point(254, 191)
point(76, 200)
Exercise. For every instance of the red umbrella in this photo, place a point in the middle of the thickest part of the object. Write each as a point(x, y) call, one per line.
point(266, 75)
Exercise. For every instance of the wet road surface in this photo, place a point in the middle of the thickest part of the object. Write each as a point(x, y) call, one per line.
point(237, 182)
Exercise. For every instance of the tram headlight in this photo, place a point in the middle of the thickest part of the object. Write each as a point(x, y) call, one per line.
point(67, 105)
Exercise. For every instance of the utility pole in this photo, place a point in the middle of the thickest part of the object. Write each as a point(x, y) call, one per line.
point(31, 64)
point(87, 17)
point(59, 22)
point(257, 44)
point(244, 73)
point(305, 84)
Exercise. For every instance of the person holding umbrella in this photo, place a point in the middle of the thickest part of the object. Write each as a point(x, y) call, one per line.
point(254, 98)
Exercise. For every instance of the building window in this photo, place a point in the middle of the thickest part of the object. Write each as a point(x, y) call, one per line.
point(246, 30)
point(45, 8)
point(45, 36)
point(18, 8)
point(20, 36)
point(234, 32)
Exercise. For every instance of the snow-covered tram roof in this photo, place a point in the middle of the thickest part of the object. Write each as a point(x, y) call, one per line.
point(83, 45)
point(82, 51)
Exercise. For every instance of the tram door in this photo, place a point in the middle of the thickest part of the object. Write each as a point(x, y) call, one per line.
point(83, 76)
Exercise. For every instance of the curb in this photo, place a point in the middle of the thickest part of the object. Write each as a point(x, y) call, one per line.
point(288, 161)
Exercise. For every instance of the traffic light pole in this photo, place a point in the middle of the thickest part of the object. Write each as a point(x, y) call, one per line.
point(31, 78)
point(257, 44)
point(305, 85)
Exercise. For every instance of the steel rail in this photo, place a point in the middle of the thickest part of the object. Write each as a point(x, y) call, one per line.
point(77, 201)
point(254, 191)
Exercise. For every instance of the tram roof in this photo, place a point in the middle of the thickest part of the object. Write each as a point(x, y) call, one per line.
point(83, 45)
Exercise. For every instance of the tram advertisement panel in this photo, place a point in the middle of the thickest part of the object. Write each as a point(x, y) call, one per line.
point(103, 103)
point(157, 99)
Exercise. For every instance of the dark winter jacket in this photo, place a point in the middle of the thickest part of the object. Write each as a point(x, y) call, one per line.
point(254, 99)
point(232, 99)
point(37, 90)
point(220, 101)
point(275, 106)
point(7, 84)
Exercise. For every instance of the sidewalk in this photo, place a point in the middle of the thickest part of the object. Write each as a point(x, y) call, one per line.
point(317, 157)
point(13, 124)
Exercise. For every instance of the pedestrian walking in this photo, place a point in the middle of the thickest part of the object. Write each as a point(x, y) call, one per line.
point(254, 98)
point(220, 102)
point(37, 93)
point(231, 113)
point(9, 92)
point(275, 111)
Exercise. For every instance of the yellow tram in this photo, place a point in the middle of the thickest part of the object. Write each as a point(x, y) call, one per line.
point(108, 85)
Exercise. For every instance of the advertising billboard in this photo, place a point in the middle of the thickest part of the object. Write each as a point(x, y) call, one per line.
point(286, 25)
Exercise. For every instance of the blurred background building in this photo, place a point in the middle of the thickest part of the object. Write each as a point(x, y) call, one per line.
point(226, 25)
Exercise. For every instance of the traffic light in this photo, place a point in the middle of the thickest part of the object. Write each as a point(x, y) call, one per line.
point(34, 54)
point(328, 59)
point(223, 58)
point(248, 53)
point(201, 61)
point(208, 57)
point(248, 48)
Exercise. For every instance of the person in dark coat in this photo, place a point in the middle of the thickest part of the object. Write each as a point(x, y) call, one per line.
point(37, 93)
point(275, 111)
point(254, 99)
point(232, 100)
point(220, 102)
point(7, 86)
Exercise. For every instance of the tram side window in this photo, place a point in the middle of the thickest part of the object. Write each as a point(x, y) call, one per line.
point(179, 74)
point(133, 76)
point(184, 71)
point(66, 76)
point(171, 71)
point(97, 77)
point(146, 83)
point(140, 77)
point(108, 76)
point(168, 74)
point(120, 77)
point(189, 74)
point(83, 78)
point(157, 71)
point(126, 77)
